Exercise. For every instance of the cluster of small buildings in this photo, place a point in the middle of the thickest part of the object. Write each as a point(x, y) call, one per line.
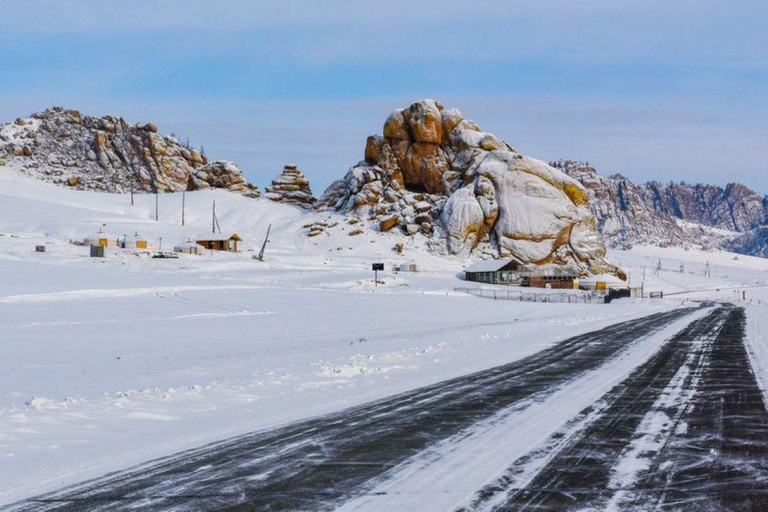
point(100, 241)
point(509, 272)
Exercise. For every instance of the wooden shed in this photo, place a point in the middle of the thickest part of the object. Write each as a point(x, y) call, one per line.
point(219, 242)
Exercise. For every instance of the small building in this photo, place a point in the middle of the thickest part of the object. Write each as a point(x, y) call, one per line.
point(97, 251)
point(188, 247)
point(603, 282)
point(407, 267)
point(101, 239)
point(502, 271)
point(508, 271)
point(136, 242)
point(219, 242)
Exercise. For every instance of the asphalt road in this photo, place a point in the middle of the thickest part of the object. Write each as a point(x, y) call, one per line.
point(711, 455)
point(320, 463)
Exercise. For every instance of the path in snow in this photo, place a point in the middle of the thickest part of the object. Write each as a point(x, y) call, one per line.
point(322, 462)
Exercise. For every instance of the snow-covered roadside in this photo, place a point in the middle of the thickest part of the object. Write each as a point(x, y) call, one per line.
point(757, 338)
point(138, 364)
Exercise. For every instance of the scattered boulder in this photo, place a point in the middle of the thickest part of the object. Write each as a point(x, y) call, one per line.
point(291, 186)
point(388, 223)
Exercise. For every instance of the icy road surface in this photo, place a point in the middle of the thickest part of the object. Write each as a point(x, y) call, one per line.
point(613, 381)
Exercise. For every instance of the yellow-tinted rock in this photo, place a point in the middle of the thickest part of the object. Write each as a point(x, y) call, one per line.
point(394, 126)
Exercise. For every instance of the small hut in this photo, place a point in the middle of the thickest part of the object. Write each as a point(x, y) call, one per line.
point(502, 271)
point(136, 242)
point(219, 242)
point(188, 247)
point(101, 239)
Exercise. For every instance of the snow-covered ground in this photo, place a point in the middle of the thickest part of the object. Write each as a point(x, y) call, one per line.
point(116, 361)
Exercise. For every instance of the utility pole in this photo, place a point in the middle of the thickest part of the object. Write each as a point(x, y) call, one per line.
point(260, 256)
point(131, 190)
point(183, 206)
point(157, 207)
point(213, 218)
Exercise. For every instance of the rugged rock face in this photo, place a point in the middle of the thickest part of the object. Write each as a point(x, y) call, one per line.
point(435, 173)
point(221, 174)
point(754, 243)
point(291, 186)
point(110, 155)
point(619, 206)
point(671, 214)
point(733, 208)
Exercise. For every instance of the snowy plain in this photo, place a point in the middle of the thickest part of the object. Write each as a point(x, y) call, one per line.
point(112, 362)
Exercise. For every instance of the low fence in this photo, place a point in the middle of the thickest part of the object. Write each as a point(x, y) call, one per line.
point(535, 296)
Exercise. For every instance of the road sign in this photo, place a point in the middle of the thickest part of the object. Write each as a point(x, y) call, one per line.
point(376, 267)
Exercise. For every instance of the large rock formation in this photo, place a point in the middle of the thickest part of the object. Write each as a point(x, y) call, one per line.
point(111, 155)
point(291, 186)
point(671, 214)
point(733, 208)
point(623, 217)
point(434, 172)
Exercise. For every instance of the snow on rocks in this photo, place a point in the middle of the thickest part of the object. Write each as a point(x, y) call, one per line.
point(435, 174)
point(108, 154)
point(292, 187)
point(222, 174)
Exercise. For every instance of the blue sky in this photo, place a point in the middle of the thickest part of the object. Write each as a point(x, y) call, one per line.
point(655, 90)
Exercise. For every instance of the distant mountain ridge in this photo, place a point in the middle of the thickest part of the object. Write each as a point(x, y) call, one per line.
point(732, 217)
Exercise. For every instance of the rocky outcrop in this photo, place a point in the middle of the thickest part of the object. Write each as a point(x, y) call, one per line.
point(434, 173)
point(291, 186)
point(753, 242)
point(109, 154)
point(222, 174)
point(670, 214)
point(622, 215)
point(733, 208)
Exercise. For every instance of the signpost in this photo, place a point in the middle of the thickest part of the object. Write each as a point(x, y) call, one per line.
point(376, 268)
